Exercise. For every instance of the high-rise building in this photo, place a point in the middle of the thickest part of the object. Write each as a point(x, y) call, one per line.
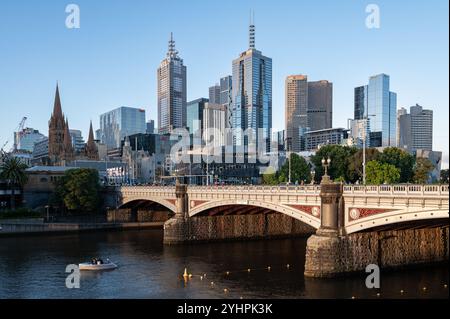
point(376, 102)
point(360, 102)
point(415, 129)
point(214, 94)
point(25, 139)
point(171, 91)
point(150, 127)
point(77, 140)
point(296, 117)
point(252, 95)
point(226, 84)
point(214, 120)
point(320, 105)
point(60, 150)
point(309, 106)
point(121, 122)
point(195, 115)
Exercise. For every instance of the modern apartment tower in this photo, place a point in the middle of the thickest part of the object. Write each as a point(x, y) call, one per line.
point(415, 129)
point(376, 102)
point(171, 91)
point(214, 94)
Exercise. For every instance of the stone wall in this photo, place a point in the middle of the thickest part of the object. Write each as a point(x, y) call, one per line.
point(230, 227)
point(330, 256)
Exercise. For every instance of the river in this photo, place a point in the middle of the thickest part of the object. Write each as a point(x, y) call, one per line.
point(34, 267)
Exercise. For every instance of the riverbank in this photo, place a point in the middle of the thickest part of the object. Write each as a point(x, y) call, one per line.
point(20, 227)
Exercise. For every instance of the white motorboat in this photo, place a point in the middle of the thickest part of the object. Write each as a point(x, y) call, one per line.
point(97, 265)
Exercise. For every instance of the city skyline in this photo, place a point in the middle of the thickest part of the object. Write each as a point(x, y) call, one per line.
point(86, 96)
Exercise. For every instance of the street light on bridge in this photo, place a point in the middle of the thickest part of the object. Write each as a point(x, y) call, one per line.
point(326, 165)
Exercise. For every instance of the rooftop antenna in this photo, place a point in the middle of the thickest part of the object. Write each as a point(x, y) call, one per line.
point(251, 30)
point(172, 51)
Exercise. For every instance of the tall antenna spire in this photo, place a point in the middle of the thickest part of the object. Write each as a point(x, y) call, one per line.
point(172, 51)
point(251, 30)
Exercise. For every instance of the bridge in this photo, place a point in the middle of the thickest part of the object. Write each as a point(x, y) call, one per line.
point(363, 207)
point(349, 226)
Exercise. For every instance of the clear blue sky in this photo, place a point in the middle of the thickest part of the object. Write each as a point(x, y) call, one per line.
point(112, 59)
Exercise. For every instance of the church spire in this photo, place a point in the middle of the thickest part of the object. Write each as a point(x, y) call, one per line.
point(91, 148)
point(57, 111)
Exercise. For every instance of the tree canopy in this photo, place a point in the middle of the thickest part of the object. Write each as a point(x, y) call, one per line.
point(78, 190)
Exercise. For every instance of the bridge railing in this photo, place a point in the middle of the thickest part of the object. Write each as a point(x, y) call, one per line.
point(307, 189)
point(406, 189)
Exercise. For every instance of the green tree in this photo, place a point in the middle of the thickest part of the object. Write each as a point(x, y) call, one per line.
point(78, 190)
point(379, 173)
point(12, 170)
point(339, 156)
point(421, 170)
point(270, 177)
point(444, 176)
point(401, 160)
point(300, 170)
point(355, 163)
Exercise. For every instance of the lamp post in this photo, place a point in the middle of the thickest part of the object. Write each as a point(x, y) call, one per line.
point(313, 173)
point(288, 148)
point(326, 164)
point(366, 119)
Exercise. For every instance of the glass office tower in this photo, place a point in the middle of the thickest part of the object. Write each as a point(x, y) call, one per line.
point(194, 115)
point(121, 122)
point(379, 104)
point(252, 94)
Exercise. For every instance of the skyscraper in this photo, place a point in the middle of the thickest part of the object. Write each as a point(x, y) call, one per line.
point(171, 91)
point(214, 119)
point(376, 102)
point(195, 115)
point(252, 94)
point(320, 105)
point(214, 94)
point(415, 129)
point(226, 84)
point(121, 122)
point(296, 118)
point(25, 139)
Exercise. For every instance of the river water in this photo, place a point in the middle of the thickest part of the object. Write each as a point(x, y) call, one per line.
point(34, 267)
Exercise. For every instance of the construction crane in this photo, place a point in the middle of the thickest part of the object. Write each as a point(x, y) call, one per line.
point(20, 132)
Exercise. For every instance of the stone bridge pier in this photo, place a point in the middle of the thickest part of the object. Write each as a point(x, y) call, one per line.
point(332, 252)
point(177, 230)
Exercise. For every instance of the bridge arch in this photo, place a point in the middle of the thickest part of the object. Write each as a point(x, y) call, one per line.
point(302, 216)
point(163, 202)
point(401, 216)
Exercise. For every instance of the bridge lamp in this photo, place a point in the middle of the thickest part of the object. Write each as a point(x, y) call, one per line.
point(326, 164)
point(313, 173)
